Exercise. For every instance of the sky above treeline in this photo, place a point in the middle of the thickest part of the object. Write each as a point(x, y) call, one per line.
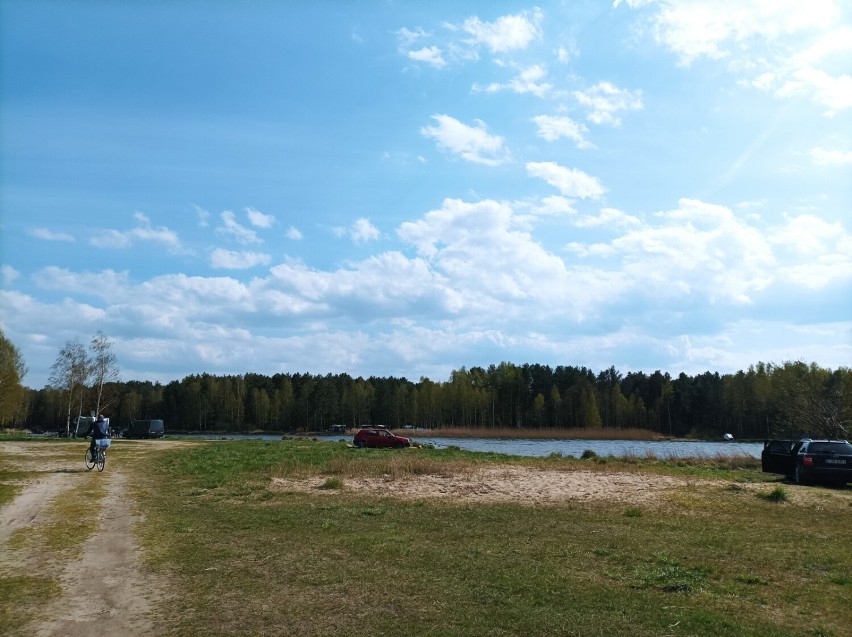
point(407, 188)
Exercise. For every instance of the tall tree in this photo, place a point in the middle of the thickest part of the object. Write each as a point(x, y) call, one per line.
point(12, 372)
point(68, 372)
point(104, 366)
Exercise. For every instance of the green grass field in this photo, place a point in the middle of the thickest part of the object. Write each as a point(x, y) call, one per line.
point(243, 559)
point(731, 552)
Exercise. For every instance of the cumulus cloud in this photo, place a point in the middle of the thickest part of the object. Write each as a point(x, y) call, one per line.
point(609, 218)
point(554, 127)
point(529, 80)
point(431, 55)
point(474, 273)
point(471, 143)
point(294, 233)
point(8, 274)
point(229, 260)
point(829, 157)
point(571, 182)
point(604, 101)
point(232, 229)
point(364, 231)
point(50, 235)
point(507, 33)
point(785, 46)
point(144, 231)
point(259, 219)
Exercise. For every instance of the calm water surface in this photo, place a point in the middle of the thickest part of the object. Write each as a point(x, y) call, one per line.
point(542, 447)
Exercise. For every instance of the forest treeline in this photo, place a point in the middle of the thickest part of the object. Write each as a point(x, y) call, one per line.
point(793, 398)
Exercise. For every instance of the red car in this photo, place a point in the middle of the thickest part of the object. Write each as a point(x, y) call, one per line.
point(379, 437)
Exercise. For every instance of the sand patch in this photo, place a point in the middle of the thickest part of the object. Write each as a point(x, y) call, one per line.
point(504, 484)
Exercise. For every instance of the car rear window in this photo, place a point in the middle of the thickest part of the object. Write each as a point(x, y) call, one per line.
point(830, 447)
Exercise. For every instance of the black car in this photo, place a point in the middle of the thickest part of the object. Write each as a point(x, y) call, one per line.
point(807, 460)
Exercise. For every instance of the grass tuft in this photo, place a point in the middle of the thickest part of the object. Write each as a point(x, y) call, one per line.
point(332, 483)
point(778, 494)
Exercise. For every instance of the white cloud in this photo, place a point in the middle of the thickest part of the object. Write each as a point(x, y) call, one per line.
point(831, 157)
point(474, 144)
point(227, 259)
point(110, 239)
point(570, 182)
point(783, 46)
point(527, 81)
point(144, 231)
point(825, 89)
point(431, 55)
point(294, 233)
point(693, 28)
point(406, 37)
point(507, 33)
point(203, 216)
point(50, 235)
point(552, 128)
point(364, 231)
point(106, 284)
point(8, 274)
point(554, 205)
point(610, 218)
point(236, 231)
point(259, 219)
point(604, 101)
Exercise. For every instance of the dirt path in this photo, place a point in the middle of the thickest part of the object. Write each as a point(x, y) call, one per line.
point(105, 592)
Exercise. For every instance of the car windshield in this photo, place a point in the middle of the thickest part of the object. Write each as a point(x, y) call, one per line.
point(830, 447)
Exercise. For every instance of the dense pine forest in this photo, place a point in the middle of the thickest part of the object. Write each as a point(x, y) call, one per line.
point(794, 398)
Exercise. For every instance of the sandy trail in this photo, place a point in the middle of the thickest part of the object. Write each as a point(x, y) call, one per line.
point(105, 592)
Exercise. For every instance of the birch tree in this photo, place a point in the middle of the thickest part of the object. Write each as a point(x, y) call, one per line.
point(69, 372)
point(104, 366)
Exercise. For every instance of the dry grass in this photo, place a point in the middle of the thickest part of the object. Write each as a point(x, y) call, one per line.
point(391, 467)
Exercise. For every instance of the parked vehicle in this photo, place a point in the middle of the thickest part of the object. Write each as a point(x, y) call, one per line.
point(379, 437)
point(806, 460)
point(145, 429)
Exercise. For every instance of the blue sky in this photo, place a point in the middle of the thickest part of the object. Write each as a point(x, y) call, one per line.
point(406, 188)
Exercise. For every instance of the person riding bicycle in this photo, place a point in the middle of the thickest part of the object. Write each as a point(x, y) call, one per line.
point(97, 430)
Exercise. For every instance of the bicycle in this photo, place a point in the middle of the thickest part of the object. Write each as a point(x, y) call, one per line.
point(99, 458)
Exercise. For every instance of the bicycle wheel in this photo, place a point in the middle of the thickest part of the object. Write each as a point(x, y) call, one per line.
point(90, 461)
point(101, 460)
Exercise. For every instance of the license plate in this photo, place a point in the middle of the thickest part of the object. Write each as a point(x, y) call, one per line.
point(834, 461)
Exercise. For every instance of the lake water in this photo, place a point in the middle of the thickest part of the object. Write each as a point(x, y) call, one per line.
point(544, 447)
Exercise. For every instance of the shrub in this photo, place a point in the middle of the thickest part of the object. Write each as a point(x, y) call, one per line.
point(588, 454)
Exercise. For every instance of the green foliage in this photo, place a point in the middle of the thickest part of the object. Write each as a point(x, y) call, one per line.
point(12, 372)
point(790, 399)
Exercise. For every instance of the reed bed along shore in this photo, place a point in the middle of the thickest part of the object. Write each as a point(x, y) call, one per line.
point(536, 433)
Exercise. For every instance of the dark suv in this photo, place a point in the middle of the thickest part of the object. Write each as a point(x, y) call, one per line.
point(809, 460)
point(379, 437)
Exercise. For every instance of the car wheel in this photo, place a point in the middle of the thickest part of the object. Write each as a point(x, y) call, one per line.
point(360, 445)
